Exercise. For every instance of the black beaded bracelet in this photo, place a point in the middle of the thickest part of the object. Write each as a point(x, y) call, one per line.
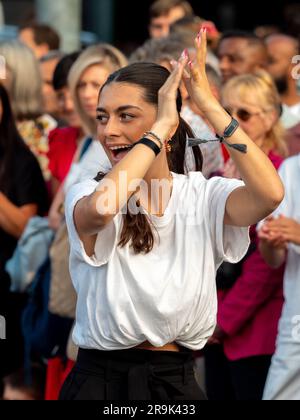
point(149, 143)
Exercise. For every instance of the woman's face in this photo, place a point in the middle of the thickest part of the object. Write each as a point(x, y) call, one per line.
point(88, 87)
point(123, 117)
point(254, 120)
point(66, 107)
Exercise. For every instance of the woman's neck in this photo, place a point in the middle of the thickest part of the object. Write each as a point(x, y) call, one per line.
point(159, 181)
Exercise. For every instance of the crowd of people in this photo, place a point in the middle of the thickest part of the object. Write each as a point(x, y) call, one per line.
point(126, 296)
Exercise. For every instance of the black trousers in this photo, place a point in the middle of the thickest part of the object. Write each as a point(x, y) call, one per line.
point(241, 380)
point(132, 375)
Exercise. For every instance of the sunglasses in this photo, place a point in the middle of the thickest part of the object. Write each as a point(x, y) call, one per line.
point(243, 114)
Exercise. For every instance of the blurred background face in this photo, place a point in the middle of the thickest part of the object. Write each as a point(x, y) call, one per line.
point(160, 26)
point(236, 58)
point(89, 86)
point(279, 65)
point(254, 120)
point(49, 95)
point(66, 107)
point(27, 37)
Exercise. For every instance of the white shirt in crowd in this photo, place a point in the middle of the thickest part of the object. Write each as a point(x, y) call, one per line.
point(284, 377)
point(167, 295)
point(290, 118)
point(295, 109)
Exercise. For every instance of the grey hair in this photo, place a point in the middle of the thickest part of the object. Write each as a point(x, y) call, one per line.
point(158, 50)
point(25, 90)
point(104, 54)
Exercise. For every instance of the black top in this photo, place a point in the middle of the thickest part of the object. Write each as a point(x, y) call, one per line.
point(26, 186)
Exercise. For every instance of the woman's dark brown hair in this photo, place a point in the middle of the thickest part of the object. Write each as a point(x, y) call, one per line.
point(150, 77)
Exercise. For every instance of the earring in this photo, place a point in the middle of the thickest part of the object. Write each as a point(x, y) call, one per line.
point(169, 146)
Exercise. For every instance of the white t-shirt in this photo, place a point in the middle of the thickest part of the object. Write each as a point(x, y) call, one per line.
point(295, 109)
point(95, 160)
point(289, 118)
point(284, 379)
point(167, 295)
point(290, 207)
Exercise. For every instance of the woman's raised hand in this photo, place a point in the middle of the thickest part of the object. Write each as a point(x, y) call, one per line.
point(167, 114)
point(195, 77)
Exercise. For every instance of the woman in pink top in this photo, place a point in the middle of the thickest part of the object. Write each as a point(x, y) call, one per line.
point(250, 294)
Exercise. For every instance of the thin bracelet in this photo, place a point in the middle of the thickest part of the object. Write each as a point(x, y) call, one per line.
point(229, 131)
point(150, 133)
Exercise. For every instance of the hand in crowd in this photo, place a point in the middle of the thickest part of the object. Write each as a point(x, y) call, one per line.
point(217, 337)
point(278, 232)
point(195, 77)
point(55, 218)
point(167, 115)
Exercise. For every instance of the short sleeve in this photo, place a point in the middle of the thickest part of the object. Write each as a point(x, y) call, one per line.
point(106, 239)
point(231, 243)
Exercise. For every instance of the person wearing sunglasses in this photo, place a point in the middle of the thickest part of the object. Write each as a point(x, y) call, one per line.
point(254, 101)
point(250, 293)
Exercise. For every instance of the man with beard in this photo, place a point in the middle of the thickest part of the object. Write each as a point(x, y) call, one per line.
point(281, 50)
point(239, 53)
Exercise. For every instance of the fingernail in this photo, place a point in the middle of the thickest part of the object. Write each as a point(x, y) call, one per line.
point(184, 54)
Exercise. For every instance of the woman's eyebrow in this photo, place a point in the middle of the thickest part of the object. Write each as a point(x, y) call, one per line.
point(120, 109)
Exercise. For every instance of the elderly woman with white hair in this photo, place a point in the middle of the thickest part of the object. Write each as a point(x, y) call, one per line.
point(24, 85)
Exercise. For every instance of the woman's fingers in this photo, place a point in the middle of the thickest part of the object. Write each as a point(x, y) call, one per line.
point(194, 71)
point(173, 82)
point(201, 48)
point(186, 77)
point(196, 67)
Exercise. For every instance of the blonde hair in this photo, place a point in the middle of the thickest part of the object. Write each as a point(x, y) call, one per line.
point(108, 56)
point(25, 90)
point(261, 88)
